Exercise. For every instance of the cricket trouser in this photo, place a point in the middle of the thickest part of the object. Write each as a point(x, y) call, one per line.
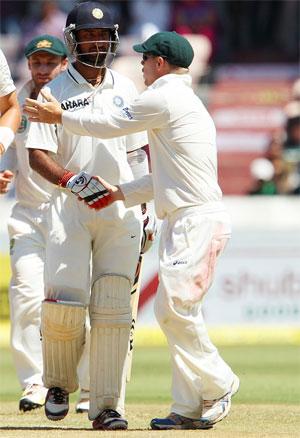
point(27, 233)
point(191, 240)
point(81, 239)
point(28, 229)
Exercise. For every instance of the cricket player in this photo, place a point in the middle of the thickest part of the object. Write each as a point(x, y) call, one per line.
point(110, 239)
point(196, 225)
point(27, 226)
point(10, 115)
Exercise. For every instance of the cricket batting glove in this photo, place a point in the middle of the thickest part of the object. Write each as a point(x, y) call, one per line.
point(86, 188)
point(149, 229)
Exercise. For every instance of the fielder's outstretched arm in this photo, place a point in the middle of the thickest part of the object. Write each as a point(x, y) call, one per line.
point(148, 111)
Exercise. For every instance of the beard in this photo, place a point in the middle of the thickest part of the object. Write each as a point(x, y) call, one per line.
point(97, 60)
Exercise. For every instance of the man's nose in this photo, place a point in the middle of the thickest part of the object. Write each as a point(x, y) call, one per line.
point(43, 68)
point(101, 46)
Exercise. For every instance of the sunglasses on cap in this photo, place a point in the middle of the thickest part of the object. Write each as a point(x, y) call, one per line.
point(149, 55)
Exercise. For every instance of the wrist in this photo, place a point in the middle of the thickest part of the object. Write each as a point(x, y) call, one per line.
point(118, 194)
point(65, 179)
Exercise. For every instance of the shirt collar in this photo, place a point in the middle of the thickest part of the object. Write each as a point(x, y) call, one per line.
point(185, 78)
point(108, 81)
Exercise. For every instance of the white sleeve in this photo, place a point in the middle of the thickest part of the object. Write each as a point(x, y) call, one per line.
point(148, 111)
point(138, 191)
point(136, 141)
point(6, 83)
point(138, 162)
point(9, 159)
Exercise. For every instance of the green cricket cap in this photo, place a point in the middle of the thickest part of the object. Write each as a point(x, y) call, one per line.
point(170, 45)
point(46, 43)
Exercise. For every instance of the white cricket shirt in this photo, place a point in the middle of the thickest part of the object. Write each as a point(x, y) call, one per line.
point(6, 83)
point(182, 140)
point(31, 188)
point(95, 156)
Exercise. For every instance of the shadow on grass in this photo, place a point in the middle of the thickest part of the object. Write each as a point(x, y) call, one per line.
point(61, 428)
point(42, 428)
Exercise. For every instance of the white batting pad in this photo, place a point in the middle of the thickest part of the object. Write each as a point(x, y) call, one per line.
point(63, 337)
point(110, 316)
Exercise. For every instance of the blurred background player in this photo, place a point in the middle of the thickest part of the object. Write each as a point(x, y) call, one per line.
point(278, 171)
point(9, 108)
point(27, 230)
point(111, 238)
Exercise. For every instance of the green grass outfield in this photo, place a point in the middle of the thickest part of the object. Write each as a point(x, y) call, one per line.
point(267, 404)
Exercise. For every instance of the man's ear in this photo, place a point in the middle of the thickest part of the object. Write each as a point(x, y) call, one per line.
point(162, 65)
point(160, 60)
point(64, 64)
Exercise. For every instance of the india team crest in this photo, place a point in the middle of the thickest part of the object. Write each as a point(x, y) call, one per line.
point(97, 13)
point(118, 101)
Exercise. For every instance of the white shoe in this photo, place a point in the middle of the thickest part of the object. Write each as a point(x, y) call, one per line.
point(83, 404)
point(215, 410)
point(33, 397)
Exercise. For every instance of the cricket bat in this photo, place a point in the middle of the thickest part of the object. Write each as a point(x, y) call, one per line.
point(134, 303)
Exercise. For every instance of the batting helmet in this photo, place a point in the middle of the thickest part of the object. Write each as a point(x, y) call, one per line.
point(91, 15)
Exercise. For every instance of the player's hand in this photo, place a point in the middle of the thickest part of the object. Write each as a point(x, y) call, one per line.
point(149, 229)
point(114, 194)
point(87, 188)
point(5, 178)
point(45, 112)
